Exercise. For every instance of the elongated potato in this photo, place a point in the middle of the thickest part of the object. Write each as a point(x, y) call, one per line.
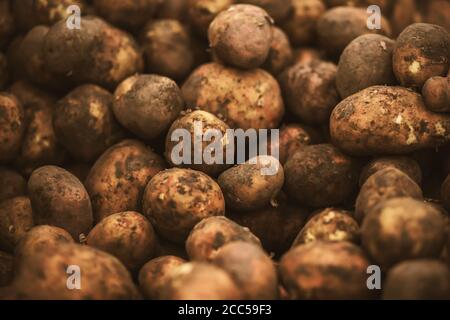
point(12, 126)
point(16, 219)
point(58, 198)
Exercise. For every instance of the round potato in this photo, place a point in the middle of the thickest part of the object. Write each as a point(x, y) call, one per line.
point(436, 94)
point(12, 184)
point(202, 12)
point(210, 234)
point(12, 127)
point(280, 54)
point(16, 219)
point(58, 198)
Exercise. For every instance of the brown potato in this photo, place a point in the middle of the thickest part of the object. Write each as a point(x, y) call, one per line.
point(277, 9)
point(329, 225)
point(438, 12)
point(60, 199)
point(155, 274)
point(280, 54)
point(147, 104)
point(384, 184)
point(365, 62)
point(339, 26)
point(309, 90)
point(7, 23)
point(12, 184)
point(321, 175)
point(200, 281)
point(421, 279)
point(252, 185)
point(244, 99)
point(6, 269)
point(399, 229)
point(167, 49)
point(375, 121)
point(12, 127)
point(4, 71)
point(251, 269)
point(210, 234)
point(325, 270)
point(126, 235)
point(300, 24)
point(241, 36)
point(436, 94)
point(404, 13)
point(16, 219)
point(118, 178)
point(202, 12)
point(421, 51)
point(198, 122)
point(307, 54)
point(103, 277)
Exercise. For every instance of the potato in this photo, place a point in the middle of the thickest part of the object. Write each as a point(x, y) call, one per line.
point(118, 178)
point(277, 9)
point(245, 99)
point(199, 281)
point(6, 269)
point(438, 12)
point(375, 121)
point(309, 90)
point(12, 184)
point(147, 104)
point(241, 36)
point(325, 270)
point(202, 12)
point(129, 13)
point(300, 24)
point(417, 280)
point(39, 145)
point(399, 229)
point(103, 277)
point(12, 127)
point(126, 235)
point(210, 234)
point(7, 23)
point(384, 184)
point(321, 175)
point(16, 219)
point(329, 224)
point(365, 62)
point(4, 71)
point(436, 94)
point(421, 51)
point(167, 49)
point(97, 53)
point(337, 27)
point(251, 269)
point(58, 198)
point(248, 187)
point(306, 55)
point(155, 274)
point(84, 122)
point(280, 54)
point(204, 123)
point(175, 200)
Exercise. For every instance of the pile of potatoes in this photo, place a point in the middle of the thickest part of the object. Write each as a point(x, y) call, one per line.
point(88, 181)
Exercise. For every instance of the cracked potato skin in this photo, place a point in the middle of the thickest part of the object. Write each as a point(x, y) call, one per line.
point(118, 178)
point(175, 200)
point(12, 127)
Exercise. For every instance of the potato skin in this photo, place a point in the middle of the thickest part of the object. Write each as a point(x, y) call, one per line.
point(325, 270)
point(16, 219)
point(12, 126)
point(58, 198)
point(436, 94)
point(399, 229)
point(175, 200)
point(374, 121)
point(365, 62)
point(210, 234)
point(118, 178)
point(383, 185)
point(421, 51)
point(321, 175)
point(202, 12)
point(280, 54)
point(246, 187)
point(167, 49)
point(244, 99)
point(241, 36)
point(147, 104)
point(154, 275)
point(329, 224)
point(103, 276)
point(6, 269)
point(251, 269)
point(417, 280)
point(309, 90)
point(128, 236)
point(200, 281)
point(12, 184)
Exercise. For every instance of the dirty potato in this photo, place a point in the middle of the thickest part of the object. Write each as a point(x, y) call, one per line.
point(16, 219)
point(12, 184)
point(436, 94)
point(12, 126)
point(280, 54)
